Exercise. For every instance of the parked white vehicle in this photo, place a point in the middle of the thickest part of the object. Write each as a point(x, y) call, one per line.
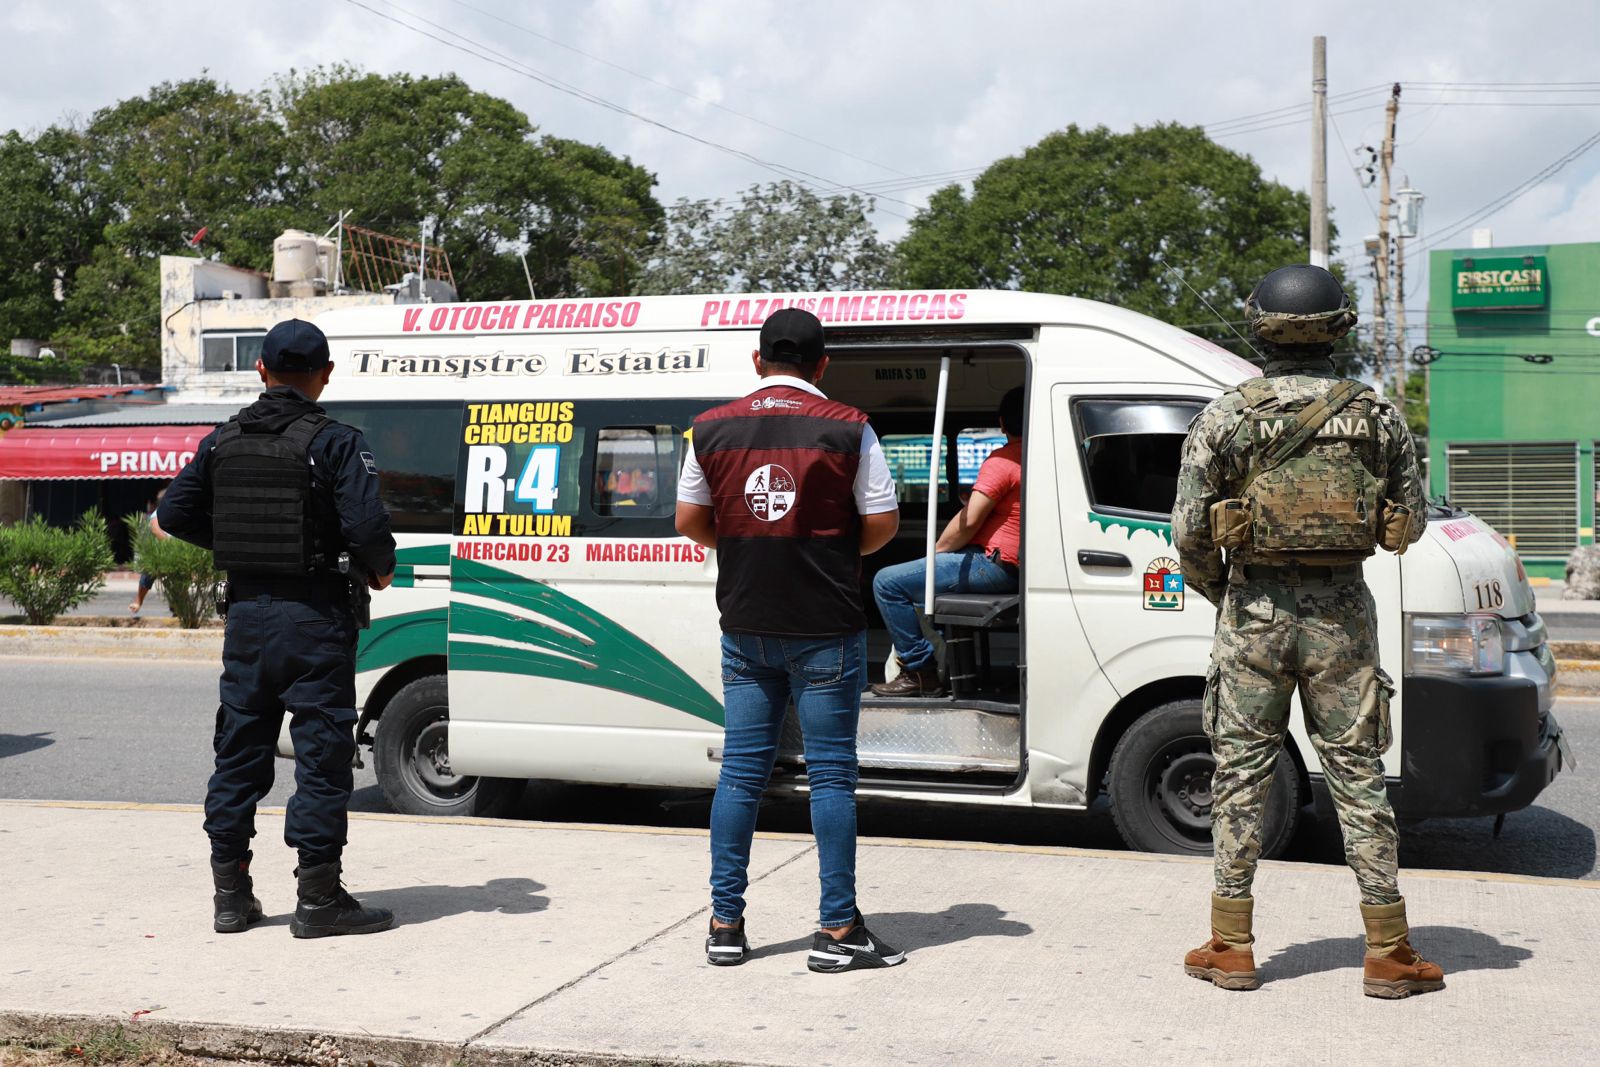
point(547, 621)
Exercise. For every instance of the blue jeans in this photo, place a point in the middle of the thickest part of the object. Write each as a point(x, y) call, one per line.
point(759, 675)
point(899, 591)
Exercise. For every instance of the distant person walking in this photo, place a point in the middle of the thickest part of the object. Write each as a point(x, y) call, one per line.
point(792, 490)
point(148, 581)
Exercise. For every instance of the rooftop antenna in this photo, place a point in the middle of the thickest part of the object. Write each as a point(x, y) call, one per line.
point(1173, 271)
point(336, 283)
point(528, 275)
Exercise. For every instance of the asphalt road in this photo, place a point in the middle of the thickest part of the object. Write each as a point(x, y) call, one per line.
point(130, 730)
point(1573, 626)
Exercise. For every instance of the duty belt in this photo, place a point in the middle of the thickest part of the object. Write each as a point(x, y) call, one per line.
point(285, 587)
point(1294, 573)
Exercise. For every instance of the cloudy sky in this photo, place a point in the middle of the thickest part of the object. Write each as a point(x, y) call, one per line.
point(896, 97)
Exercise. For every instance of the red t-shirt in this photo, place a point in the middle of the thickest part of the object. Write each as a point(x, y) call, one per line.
point(1000, 479)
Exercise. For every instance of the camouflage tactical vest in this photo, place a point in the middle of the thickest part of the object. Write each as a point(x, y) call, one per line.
point(1325, 498)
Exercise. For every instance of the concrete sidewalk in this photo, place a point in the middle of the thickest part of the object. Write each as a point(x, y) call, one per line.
point(539, 943)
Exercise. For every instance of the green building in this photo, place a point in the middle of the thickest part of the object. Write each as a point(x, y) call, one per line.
point(1514, 391)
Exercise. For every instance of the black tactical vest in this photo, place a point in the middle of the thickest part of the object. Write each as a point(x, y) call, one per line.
point(263, 517)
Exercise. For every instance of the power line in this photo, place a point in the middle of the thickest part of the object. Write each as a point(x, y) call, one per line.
point(1335, 98)
point(1509, 87)
point(673, 88)
point(1508, 197)
point(506, 63)
point(1355, 171)
point(1288, 122)
point(1506, 103)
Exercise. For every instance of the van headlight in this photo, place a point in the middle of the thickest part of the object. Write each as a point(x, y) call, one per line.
point(1455, 645)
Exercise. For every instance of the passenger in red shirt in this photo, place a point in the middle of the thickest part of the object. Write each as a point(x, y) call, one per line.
point(978, 552)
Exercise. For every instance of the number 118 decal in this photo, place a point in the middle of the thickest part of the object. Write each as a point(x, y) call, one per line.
point(1491, 594)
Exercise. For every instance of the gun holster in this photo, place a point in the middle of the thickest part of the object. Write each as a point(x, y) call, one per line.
point(360, 592)
point(1394, 527)
point(1230, 524)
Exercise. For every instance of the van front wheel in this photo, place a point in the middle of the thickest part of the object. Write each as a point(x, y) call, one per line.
point(412, 756)
point(1160, 786)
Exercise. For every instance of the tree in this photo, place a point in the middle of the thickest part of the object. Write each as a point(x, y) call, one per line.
point(52, 216)
point(1127, 218)
point(401, 152)
point(779, 238)
point(86, 210)
point(188, 155)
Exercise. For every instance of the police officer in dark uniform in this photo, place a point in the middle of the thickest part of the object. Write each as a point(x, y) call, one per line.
point(288, 501)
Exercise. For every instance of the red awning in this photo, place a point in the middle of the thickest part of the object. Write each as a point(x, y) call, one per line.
point(26, 395)
point(41, 453)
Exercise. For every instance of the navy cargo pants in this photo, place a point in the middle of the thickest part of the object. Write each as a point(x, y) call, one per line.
point(289, 648)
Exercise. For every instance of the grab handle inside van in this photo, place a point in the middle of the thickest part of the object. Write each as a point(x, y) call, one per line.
point(935, 443)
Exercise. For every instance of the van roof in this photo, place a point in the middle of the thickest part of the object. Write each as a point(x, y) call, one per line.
point(923, 310)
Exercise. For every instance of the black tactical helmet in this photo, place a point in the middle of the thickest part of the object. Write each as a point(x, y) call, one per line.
point(1299, 305)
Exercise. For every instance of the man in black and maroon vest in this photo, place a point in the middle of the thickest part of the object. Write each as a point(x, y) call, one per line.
point(792, 490)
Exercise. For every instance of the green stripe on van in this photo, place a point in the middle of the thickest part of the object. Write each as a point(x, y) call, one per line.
point(424, 556)
point(1111, 522)
point(584, 647)
point(396, 638)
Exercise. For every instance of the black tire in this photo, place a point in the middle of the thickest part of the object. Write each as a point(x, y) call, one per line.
point(412, 757)
point(1160, 786)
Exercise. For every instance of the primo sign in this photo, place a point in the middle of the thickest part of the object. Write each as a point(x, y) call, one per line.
point(1500, 284)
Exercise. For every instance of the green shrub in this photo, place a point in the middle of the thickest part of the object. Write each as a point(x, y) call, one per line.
point(187, 573)
point(46, 570)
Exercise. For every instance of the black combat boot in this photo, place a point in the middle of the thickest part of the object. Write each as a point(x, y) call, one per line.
point(234, 901)
point(326, 909)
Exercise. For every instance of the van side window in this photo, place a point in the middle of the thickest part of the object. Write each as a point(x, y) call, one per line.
point(1131, 451)
point(415, 444)
point(636, 471)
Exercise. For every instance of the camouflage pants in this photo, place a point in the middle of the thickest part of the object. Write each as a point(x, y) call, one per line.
point(1321, 638)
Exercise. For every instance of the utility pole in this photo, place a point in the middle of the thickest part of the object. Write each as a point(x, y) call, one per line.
point(1319, 152)
point(1380, 331)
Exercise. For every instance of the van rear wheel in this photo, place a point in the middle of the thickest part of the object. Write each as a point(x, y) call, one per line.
point(412, 756)
point(1161, 786)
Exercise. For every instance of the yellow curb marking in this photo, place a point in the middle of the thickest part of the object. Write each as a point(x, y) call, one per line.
point(1065, 851)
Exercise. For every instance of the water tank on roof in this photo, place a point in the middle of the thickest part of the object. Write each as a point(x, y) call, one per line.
point(294, 257)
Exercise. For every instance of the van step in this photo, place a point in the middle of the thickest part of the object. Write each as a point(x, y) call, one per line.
point(995, 706)
point(926, 735)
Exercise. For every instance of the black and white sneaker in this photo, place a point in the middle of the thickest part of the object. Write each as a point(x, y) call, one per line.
point(857, 950)
point(726, 946)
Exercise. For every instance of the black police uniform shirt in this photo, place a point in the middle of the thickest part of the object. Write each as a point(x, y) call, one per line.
point(341, 462)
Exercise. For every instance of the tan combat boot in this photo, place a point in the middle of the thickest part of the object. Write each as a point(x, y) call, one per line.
point(1227, 959)
point(1392, 968)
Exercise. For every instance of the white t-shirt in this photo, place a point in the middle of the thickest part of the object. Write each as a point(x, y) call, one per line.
point(874, 488)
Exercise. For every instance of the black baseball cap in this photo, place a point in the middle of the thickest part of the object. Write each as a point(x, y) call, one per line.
point(791, 335)
point(296, 346)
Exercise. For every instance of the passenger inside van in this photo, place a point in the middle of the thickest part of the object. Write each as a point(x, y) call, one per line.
point(978, 552)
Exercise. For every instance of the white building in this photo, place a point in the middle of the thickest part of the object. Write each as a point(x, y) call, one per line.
point(213, 320)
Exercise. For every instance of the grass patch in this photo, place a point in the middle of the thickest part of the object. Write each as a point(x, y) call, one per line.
point(94, 1048)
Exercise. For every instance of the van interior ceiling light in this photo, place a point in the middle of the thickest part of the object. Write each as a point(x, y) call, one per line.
point(1455, 645)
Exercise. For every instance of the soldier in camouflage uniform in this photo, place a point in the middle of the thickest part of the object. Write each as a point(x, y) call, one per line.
point(1299, 475)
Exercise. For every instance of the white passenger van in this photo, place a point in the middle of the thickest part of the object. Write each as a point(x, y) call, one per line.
point(548, 622)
